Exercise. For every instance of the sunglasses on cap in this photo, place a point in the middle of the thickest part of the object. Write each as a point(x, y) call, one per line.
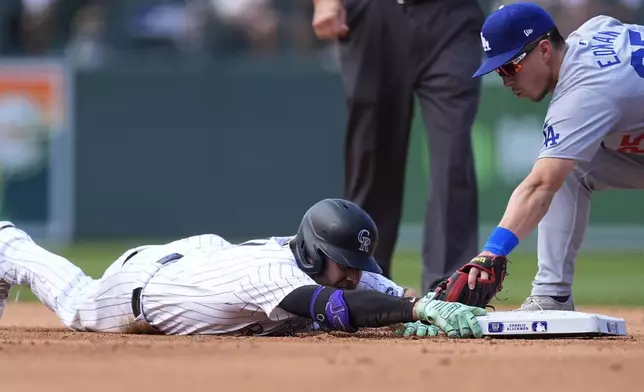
point(512, 67)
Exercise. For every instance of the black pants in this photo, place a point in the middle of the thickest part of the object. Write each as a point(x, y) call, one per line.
point(429, 48)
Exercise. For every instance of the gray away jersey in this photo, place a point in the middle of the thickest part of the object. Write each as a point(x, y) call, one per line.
point(599, 98)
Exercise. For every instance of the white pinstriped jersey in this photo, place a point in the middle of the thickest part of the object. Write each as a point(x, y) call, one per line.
point(217, 287)
point(236, 288)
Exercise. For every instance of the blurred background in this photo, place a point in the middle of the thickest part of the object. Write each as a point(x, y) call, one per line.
point(125, 122)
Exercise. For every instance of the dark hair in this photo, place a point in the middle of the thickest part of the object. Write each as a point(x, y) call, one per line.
point(556, 39)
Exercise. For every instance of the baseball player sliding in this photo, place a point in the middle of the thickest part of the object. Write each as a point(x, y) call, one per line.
point(324, 276)
point(592, 134)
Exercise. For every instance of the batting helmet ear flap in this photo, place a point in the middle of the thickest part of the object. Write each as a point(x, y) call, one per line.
point(312, 261)
point(319, 262)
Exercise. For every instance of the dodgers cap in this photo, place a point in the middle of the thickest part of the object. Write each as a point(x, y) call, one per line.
point(508, 30)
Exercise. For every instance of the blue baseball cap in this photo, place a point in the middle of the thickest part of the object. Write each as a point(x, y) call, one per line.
point(508, 30)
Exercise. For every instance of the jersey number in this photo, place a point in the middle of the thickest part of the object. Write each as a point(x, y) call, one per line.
point(631, 145)
point(637, 56)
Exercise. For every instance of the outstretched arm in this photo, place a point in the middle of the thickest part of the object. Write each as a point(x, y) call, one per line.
point(528, 204)
point(531, 199)
point(352, 309)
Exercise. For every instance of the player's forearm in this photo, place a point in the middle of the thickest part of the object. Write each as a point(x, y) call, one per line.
point(528, 204)
point(347, 310)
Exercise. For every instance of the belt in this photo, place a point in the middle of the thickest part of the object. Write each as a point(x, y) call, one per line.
point(136, 293)
point(136, 301)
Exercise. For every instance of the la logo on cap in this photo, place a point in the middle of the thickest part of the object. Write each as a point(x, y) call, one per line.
point(486, 44)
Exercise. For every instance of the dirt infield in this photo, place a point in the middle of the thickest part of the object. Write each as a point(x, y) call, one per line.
point(37, 354)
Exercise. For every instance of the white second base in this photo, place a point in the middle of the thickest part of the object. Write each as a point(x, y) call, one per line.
point(550, 324)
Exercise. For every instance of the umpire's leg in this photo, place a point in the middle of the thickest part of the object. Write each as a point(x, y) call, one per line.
point(449, 98)
point(378, 76)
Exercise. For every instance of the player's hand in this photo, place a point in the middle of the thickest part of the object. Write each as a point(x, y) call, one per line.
point(329, 19)
point(409, 292)
point(476, 273)
point(417, 329)
point(456, 319)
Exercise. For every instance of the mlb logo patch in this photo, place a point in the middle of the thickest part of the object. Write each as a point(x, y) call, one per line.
point(540, 326)
point(495, 327)
point(611, 327)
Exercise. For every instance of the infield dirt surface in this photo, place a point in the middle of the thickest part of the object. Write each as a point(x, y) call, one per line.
point(37, 354)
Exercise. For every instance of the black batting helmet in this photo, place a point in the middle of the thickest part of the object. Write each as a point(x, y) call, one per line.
point(337, 229)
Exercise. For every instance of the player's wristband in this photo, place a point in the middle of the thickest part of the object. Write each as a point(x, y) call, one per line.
point(501, 242)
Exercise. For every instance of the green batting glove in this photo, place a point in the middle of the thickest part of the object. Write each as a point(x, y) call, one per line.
point(416, 329)
point(456, 319)
point(420, 329)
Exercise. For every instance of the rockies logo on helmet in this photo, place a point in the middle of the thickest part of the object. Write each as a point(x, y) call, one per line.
point(365, 241)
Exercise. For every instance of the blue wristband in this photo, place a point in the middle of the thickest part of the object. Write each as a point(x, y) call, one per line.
point(501, 242)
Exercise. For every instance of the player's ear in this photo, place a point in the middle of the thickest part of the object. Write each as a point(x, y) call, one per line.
point(543, 49)
point(546, 49)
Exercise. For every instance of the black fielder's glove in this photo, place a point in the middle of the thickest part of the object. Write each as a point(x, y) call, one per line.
point(455, 288)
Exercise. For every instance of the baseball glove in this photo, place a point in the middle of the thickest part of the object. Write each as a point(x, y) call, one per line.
point(455, 288)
